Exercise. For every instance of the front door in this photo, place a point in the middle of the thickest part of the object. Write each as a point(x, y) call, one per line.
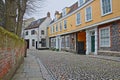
point(92, 43)
point(81, 47)
point(27, 41)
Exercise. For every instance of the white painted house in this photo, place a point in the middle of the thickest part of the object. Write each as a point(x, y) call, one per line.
point(36, 33)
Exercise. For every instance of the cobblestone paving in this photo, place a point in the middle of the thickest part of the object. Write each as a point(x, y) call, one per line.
point(69, 66)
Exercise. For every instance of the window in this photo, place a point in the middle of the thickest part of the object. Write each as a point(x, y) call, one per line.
point(52, 42)
point(56, 27)
point(26, 33)
point(106, 7)
point(33, 42)
point(67, 41)
point(88, 16)
point(64, 12)
point(32, 32)
point(43, 42)
point(81, 2)
point(65, 24)
point(78, 21)
point(104, 37)
point(42, 32)
point(53, 29)
point(60, 26)
point(62, 42)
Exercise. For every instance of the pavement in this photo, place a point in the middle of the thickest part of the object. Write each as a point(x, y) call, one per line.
point(53, 65)
point(29, 70)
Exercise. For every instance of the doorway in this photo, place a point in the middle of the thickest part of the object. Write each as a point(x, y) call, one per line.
point(27, 41)
point(92, 43)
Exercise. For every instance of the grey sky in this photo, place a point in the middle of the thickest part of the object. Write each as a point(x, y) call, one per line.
point(52, 6)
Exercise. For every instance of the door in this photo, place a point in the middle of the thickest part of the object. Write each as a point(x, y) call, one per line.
point(36, 45)
point(92, 43)
point(81, 47)
point(27, 41)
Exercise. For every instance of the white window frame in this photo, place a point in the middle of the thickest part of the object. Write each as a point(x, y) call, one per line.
point(51, 30)
point(26, 33)
point(56, 27)
point(65, 21)
point(67, 43)
point(100, 37)
point(62, 42)
point(102, 14)
point(79, 4)
point(77, 18)
point(64, 12)
point(60, 26)
point(86, 14)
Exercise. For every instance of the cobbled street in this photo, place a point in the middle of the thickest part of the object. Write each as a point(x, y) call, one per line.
point(71, 66)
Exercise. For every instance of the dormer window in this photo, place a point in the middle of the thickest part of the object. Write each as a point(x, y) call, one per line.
point(64, 12)
point(81, 2)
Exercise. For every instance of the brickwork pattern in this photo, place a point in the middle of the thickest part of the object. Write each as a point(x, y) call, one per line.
point(11, 54)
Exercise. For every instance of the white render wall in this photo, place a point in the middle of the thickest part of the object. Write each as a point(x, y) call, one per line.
point(44, 26)
point(30, 37)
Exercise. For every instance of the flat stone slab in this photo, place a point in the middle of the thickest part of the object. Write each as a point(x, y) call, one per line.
point(29, 70)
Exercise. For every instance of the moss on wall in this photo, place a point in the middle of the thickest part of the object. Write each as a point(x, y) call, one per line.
point(10, 44)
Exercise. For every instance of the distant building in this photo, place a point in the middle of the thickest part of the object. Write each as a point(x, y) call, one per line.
point(25, 24)
point(36, 34)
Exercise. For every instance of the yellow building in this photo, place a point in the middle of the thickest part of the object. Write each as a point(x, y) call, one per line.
point(88, 27)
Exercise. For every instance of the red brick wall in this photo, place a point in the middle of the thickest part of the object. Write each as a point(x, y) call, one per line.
point(12, 51)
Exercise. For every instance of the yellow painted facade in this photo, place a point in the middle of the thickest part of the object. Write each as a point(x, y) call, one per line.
point(96, 17)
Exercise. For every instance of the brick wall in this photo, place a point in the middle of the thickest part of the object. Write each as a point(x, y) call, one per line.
point(12, 50)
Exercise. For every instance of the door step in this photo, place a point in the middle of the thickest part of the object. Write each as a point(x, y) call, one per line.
point(91, 53)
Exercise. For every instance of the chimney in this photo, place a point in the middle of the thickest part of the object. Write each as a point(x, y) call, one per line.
point(57, 13)
point(48, 14)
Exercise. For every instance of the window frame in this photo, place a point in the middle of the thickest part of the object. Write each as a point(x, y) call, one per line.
point(43, 42)
point(67, 41)
point(80, 4)
point(42, 32)
point(60, 26)
point(108, 27)
point(86, 14)
point(53, 29)
point(102, 14)
point(77, 18)
point(26, 33)
point(65, 24)
point(64, 12)
point(33, 42)
point(56, 27)
point(32, 32)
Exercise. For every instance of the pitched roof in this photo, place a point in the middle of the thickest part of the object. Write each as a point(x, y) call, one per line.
point(72, 8)
point(36, 24)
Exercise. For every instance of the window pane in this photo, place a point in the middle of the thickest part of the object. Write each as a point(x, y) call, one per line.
point(105, 37)
point(106, 6)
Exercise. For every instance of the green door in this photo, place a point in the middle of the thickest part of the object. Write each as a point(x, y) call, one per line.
point(92, 43)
